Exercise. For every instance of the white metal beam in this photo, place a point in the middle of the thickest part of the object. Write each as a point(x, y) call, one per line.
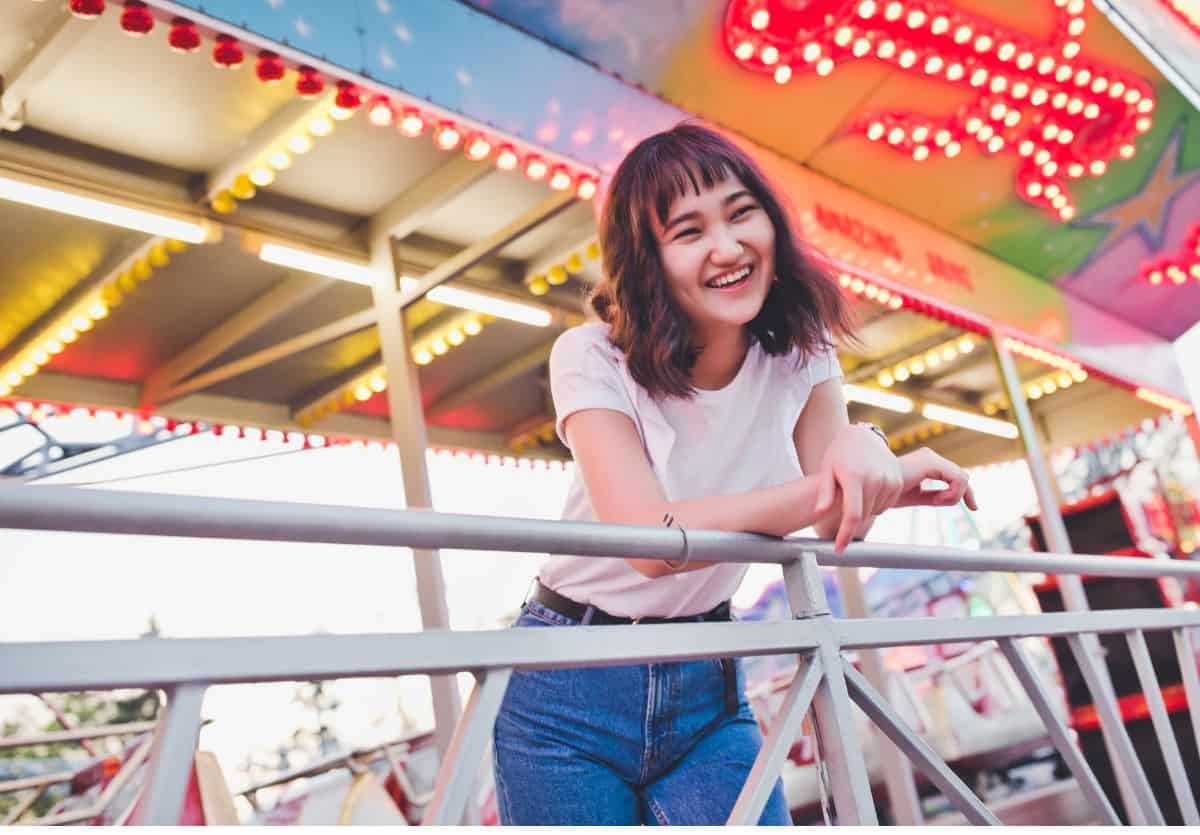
point(60, 34)
point(287, 295)
point(509, 370)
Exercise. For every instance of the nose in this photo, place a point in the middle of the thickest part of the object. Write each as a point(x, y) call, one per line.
point(726, 248)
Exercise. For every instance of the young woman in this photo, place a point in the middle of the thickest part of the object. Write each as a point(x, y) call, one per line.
point(706, 397)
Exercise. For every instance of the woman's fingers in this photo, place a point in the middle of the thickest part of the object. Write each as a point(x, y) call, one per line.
point(852, 513)
point(969, 498)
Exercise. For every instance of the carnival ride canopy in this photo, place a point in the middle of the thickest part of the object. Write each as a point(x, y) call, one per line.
point(191, 244)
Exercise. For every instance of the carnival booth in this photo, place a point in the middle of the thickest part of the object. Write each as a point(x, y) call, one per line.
point(301, 228)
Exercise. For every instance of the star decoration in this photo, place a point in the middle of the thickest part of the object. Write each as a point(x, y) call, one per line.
point(1146, 210)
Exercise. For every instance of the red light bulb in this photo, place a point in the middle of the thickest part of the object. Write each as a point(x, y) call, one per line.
point(183, 36)
point(309, 84)
point(136, 18)
point(227, 53)
point(87, 9)
point(270, 68)
point(348, 97)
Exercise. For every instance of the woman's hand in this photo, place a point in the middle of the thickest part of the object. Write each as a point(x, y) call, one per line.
point(859, 465)
point(926, 464)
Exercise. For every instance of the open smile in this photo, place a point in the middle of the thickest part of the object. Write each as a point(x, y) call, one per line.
point(732, 280)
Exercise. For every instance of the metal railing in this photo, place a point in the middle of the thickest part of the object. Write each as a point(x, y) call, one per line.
point(824, 681)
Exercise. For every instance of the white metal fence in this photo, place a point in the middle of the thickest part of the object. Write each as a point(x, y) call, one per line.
point(824, 681)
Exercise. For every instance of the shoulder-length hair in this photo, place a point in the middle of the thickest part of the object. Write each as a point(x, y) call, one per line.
point(804, 308)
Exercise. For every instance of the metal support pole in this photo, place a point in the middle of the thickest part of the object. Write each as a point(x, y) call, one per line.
point(172, 757)
point(1142, 803)
point(1176, 770)
point(837, 731)
point(1055, 532)
point(897, 768)
point(456, 777)
point(767, 765)
point(940, 774)
point(408, 431)
point(1058, 732)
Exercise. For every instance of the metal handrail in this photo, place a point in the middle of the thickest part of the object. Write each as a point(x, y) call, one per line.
point(185, 668)
point(156, 514)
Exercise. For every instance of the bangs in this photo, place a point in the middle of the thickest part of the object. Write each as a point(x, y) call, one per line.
point(674, 164)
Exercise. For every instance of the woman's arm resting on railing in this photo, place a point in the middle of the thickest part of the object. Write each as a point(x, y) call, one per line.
point(624, 490)
point(852, 463)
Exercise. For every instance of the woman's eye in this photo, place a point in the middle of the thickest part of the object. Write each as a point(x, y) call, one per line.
point(744, 210)
point(686, 233)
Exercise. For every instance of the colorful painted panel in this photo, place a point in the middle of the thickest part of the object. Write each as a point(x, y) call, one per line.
point(1118, 187)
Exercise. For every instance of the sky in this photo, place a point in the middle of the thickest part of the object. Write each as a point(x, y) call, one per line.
point(65, 586)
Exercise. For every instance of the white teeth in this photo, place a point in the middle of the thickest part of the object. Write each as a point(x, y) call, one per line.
point(732, 278)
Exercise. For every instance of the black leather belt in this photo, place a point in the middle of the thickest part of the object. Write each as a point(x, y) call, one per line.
point(587, 615)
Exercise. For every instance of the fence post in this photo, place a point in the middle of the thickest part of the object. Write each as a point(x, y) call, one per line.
point(1055, 532)
point(837, 732)
point(897, 769)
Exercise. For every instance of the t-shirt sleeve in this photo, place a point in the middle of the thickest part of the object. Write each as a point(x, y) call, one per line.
point(585, 375)
point(824, 365)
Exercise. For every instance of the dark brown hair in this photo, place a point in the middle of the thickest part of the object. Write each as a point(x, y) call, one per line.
point(804, 308)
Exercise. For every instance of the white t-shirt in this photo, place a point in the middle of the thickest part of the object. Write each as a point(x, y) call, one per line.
point(731, 440)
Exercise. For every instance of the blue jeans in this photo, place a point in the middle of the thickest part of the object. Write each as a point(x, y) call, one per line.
point(612, 746)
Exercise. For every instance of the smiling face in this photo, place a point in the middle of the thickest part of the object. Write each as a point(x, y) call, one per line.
point(717, 248)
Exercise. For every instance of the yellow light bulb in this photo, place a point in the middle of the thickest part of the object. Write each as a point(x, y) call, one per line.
point(112, 294)
point(262, 176)
point(14, 379)
point(81, 323)
point(886, 380)
point(439, 346)
point(538, 285)
point(224, 203)
point(280, 160)
point(27, 369)
point(243, 187)
point(320, 126)
point(574, 263)
point(362, 393)
point(176, 246)
point(916, 366)
point(378, 383)
point(158, 256)
point(97, 311)
point(901, 374)
point(949, 353)
point(966, 345)
point(557, 275)
point(421, 356)
point(301, 143)
point(455, 337)
point(53, 346)
point(472, 327)
point(67, 335)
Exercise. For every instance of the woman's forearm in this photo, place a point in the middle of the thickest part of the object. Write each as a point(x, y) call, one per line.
point(774, 511)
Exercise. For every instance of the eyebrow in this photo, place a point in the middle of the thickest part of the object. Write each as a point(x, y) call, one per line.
point(690, 216)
